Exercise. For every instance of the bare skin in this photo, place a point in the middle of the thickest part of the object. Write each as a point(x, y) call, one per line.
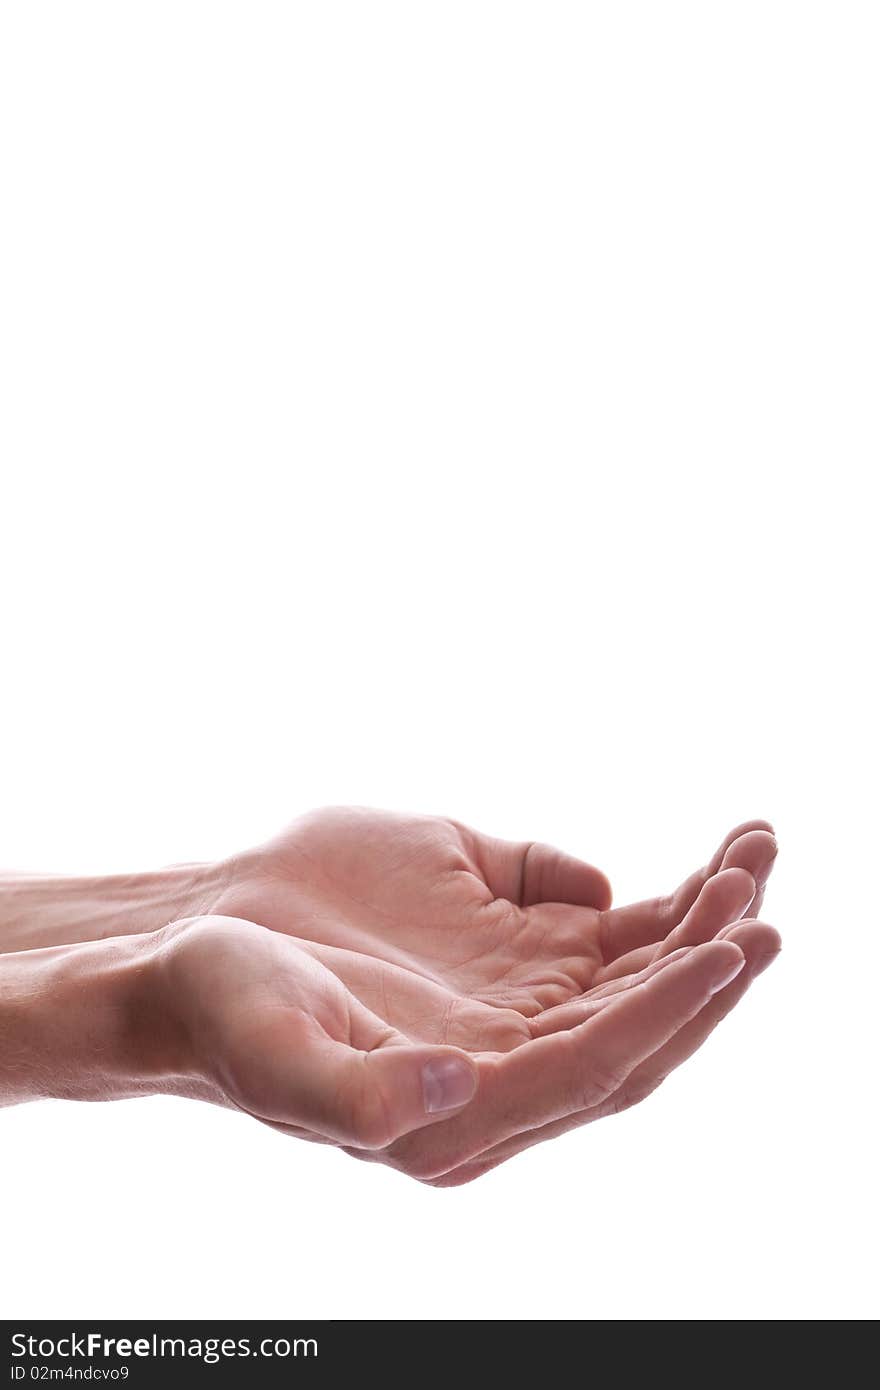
point(425, 996)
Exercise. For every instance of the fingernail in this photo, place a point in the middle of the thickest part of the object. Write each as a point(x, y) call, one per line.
point(754, 893)
point(763, 961)
point(729, 974)
point(447, 1082)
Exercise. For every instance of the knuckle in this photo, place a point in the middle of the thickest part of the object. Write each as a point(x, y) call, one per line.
point(601, 1082)
point(628, 1096)
point(366, 1114)
point(363, 1155)
point(369, 1132)
point(417, 1160)
point(459, 1177)
point(668, 908)
point(527, 869)
point(424, 1166)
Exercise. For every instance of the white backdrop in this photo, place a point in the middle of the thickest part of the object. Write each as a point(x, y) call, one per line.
point(464, 408)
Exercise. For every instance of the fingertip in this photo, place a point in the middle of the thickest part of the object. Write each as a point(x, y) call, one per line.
point(754, 851)
point(760, 943)
point(726, 968)
point(405, 1087)
point(449, 1081)
point(755, 938)
point(724, 898)
point(765, 960)
point(735, 874)
point(715, 950)
point(587, 886)
point(734, 882)
point(720, 960)
point(774, 938)
point(552, 876)
point(743, 828)
point(604, 892)
point(748, 825)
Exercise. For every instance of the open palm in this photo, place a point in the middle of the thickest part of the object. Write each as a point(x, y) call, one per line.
point(518, 926)
point(450, 938)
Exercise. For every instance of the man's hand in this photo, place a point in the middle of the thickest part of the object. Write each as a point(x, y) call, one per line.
point(419, 994)
point(452, 938)
point(520, 926)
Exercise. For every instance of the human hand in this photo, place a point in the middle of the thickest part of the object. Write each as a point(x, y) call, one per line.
point(272, 1031)
point(430, 998)
point(520, 926)
point(429, 946)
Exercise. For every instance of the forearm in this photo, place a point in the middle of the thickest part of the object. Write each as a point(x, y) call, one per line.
point(44, 910)
point(89, 1022)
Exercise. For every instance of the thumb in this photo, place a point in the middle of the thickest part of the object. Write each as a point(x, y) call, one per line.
point(368, 1099)
point(552, 876)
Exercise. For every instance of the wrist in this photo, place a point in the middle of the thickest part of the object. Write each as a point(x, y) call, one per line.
point(90, 1021)
point(46, 910)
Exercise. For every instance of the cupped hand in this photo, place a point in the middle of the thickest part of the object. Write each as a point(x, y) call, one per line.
point(419, 944)
point(520, 926)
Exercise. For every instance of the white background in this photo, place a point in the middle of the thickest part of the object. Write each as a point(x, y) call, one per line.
point(465, 408)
